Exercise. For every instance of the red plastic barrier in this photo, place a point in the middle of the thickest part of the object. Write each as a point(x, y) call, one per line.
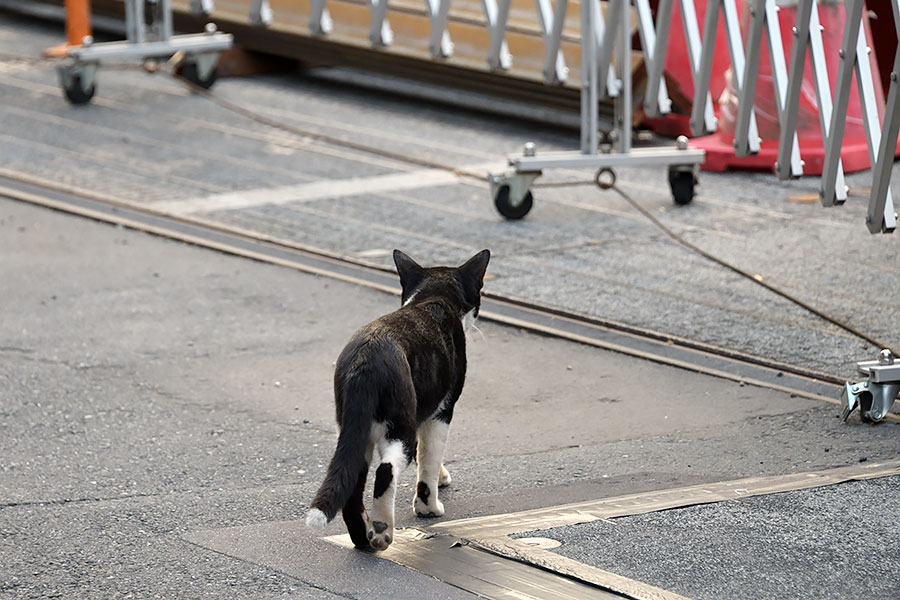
point(719, 146)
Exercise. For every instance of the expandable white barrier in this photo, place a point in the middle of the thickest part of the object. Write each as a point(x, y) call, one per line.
point(612, 78)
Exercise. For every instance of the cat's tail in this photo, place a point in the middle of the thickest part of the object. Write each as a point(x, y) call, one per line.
point(359, 399)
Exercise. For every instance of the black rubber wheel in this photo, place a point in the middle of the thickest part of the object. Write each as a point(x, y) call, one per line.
point(505, 207)
point(76, 94)
point(682, 186)
point(865, 407)
point(190, 72)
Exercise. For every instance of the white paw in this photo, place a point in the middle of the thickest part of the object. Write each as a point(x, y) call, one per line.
point(444, 479)
point(435, 508)
point(380, 535)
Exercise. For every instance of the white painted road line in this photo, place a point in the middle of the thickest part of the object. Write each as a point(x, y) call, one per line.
point(306, 192)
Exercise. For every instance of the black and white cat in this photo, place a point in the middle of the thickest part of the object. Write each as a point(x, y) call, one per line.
point(395, 385)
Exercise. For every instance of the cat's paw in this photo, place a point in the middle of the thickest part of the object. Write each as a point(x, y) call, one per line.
point(426, 502)
point(380, 535)
point(435, 508)
point(444, 478)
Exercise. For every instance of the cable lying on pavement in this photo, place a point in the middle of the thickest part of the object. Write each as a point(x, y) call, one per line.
point(758, 279)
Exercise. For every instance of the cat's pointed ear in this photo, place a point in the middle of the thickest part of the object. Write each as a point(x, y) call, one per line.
point(409, 270)
point(475, 267)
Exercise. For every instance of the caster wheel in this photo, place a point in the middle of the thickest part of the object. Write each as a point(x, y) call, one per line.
point(190, 72)
point(865, 407)
point(682, 186)
point(76, 94)
point(505, 207)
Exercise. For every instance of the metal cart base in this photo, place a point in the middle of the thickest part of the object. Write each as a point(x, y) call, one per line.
point(511, 190)
point(200, 52)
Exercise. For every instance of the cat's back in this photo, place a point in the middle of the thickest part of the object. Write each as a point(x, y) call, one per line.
point(427, 322)
point(413, 328)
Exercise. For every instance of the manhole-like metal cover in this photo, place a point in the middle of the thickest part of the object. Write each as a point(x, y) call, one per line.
point(540, 542)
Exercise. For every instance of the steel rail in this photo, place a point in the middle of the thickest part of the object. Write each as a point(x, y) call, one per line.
point(647, 344)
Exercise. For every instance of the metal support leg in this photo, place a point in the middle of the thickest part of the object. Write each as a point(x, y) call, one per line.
point(439, 42)
point(380, 33)
point(704, 70)
point(736, 51)
point(552, 19)
point(612, 84)
point(653, 43)
point(780, 79)
point(134, 21)
point(623, 107)
point(260, 12)
point(866, 88)
point(795, 80)
point(835, 139)
point(165, 13)
point(747, 92)
point(823, 93)
point(165, 20)
point(880, 215)
point(498, 53)
point(807, 32)
point(589, 74)
point(692, 39)
point(320, 22)
point(202, 8)
point(606, 44)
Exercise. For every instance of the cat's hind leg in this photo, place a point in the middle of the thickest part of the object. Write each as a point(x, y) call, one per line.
point(444, 478)
point(394, 458)
point(355, 516)
point(432, 437)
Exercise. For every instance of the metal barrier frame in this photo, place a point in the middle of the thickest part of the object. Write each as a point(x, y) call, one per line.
point(606, 78)
point(157, 40)
point(606, 55)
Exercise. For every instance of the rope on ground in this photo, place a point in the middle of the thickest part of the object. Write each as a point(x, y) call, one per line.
point(754, 278)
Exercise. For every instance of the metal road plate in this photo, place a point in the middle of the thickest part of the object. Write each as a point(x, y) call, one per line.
point(478, 555)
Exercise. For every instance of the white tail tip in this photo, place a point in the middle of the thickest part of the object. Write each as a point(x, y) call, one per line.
point(316, 519)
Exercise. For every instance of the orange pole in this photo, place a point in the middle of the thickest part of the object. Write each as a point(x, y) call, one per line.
point(78, 26)
point(78, 21)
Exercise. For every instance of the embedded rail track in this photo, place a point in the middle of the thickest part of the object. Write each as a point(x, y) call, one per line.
point(647, 344)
